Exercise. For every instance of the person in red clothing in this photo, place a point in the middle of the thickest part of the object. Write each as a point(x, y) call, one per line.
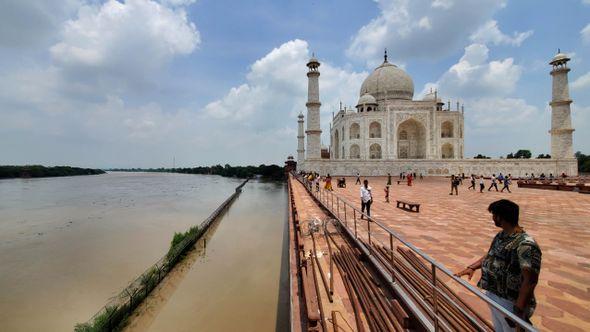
point(410, 178)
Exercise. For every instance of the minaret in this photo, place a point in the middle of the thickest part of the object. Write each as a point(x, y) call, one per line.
point(561, 120)
point(300, 140)
point(313, 104)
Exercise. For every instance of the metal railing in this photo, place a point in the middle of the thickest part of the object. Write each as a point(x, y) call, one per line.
point(350, 218)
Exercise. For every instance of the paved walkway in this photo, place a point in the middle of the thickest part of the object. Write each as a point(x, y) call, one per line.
point(456, 230)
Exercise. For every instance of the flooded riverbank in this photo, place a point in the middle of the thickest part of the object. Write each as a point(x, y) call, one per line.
point(231, 283)
point(68, 244)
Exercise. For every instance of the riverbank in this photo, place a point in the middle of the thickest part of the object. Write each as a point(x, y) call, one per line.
point(269, 172)
point(39, 171)
point(89, 236)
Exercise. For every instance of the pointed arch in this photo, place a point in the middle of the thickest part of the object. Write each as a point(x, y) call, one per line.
point(355, 152)
point(355, 131)
point(375, 151)
point(375, 130)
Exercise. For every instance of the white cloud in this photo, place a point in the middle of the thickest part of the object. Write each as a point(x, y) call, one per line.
point(581, 82)
point(404, 28)
point(276, 91)
point(490, 33)
point(125, 37)
point(444, 4)
point(178, 2)
point(424, 23)
point(474, 76)
point(586, 33)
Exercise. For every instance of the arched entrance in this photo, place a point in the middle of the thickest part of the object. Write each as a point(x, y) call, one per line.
point(411, 140)
point(375, 151)
point(447, 151)
point(355, 131)
point(355, 152)
point(375, 130)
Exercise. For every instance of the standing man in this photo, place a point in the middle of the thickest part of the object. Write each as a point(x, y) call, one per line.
point(494, 183)
point(506, 184)
point(366, 198)
point(510, 269)
point(358, 178)
point(388, 179)
point(454, 184)
point(482, 185)
point(472, 182)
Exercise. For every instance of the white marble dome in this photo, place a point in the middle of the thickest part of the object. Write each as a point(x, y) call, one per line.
point(559, 57)
point(388, 82)
point(367, 99)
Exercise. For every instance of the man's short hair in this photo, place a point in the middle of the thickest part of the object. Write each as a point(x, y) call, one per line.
point(505, 209)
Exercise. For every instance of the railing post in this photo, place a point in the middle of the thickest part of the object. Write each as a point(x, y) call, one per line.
point(434, 297)
point(338, 207)
point(345, 220)
point(369, 228)
point(392, 259)
point(355, 236)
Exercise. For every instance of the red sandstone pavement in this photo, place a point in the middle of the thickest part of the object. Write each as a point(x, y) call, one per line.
point(456, 230)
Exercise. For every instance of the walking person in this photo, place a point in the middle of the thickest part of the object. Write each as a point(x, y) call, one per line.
point(494, 183)
point(510, 270)
point(410, 178)
point(506, 185)
point(366, 198)
point(328, 185)
point(482, 185)
point(386, 194)
point(388, 179)
point(472, 182)
point(358, 178)
point(454, 184)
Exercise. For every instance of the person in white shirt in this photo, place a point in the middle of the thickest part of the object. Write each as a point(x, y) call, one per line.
point(481, 184)
point(366, 198)
point(494, 183)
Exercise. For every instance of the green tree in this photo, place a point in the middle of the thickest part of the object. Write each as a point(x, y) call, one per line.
point(525, 154)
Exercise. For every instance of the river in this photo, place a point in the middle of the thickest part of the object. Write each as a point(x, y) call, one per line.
point(68, 244)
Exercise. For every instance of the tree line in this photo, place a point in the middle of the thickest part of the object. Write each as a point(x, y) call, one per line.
point(38, 171)
point(271, 172)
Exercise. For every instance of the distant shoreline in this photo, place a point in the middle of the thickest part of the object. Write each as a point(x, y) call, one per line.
point(38, 171)
point(272, 172)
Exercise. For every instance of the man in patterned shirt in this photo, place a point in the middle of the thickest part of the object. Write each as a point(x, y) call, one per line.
point(510, 269)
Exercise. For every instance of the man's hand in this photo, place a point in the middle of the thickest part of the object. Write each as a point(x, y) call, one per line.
point(466, 272)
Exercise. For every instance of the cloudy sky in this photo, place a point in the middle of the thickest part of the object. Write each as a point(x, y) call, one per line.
point(136, 83)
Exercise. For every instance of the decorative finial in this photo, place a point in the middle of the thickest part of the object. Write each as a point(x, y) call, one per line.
point(385, 56)
point(558, 50)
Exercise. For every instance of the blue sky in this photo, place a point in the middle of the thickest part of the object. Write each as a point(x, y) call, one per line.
point(136, 83)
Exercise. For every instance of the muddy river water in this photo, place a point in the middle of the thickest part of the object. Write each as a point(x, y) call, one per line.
point(68, 244)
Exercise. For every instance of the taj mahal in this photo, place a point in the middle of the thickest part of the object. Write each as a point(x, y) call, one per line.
point(391, 132)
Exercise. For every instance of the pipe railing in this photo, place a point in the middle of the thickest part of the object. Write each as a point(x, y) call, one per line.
point(327, 198)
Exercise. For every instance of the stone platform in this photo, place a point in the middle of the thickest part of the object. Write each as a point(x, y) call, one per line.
point(457, 230)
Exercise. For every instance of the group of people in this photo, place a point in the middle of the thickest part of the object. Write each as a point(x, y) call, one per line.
point(511, 267)
point(504, 180)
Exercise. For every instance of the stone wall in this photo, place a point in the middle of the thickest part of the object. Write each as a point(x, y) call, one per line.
point(442, 167)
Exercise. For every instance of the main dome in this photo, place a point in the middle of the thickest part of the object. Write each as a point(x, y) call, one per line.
point(388, 82)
